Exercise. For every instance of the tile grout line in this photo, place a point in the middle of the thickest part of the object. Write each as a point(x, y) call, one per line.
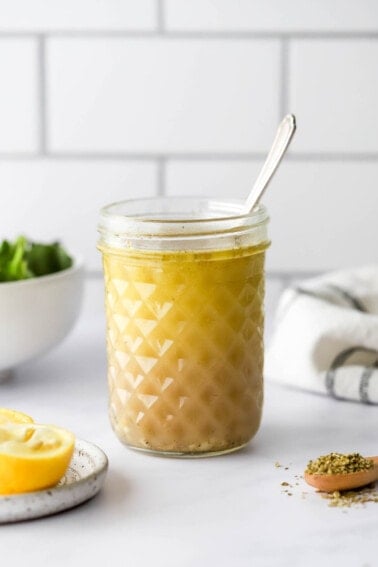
point(42, 110)
point(369, 157)
point(160, 9)
point(185, 34)
point(332, 156)
point(284, 79)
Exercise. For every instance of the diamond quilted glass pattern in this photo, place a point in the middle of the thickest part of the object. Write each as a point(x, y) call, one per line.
point(185, 348)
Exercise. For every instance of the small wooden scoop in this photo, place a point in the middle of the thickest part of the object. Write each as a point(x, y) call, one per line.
point(345, 481)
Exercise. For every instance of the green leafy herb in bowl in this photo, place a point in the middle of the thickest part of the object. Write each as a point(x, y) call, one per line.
point(24, 259)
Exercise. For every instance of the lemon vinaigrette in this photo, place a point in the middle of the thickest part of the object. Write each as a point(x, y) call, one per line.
point(184, 285)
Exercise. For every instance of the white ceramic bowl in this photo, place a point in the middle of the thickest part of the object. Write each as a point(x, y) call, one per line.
point(36, 314)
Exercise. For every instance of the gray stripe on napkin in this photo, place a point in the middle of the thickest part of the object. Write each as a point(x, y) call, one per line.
point(352, 300)
point(364, 382)
point(340, 361)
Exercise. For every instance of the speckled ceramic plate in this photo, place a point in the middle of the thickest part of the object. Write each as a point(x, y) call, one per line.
point(83, 480)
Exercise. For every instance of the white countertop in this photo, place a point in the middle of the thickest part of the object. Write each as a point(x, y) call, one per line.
point(222, 511)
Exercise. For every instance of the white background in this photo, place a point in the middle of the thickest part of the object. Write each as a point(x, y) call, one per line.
point(106, 100)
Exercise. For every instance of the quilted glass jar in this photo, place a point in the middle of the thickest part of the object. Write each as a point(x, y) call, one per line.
point(184, 284)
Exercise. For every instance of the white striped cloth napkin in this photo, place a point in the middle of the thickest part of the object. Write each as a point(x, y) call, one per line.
point(326, 336)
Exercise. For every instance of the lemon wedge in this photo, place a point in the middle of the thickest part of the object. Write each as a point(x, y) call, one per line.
point(13, 416)
point(33, 456)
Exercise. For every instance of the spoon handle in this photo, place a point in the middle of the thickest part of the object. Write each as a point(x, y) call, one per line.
point(281, 142)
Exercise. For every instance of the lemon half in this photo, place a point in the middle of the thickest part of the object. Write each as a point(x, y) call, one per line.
point(33, 456)
point(13, 416)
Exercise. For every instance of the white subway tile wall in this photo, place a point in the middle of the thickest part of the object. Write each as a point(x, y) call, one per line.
point(101, 101)
point(334, 89)
point(271, 15)
point(159, 96)
point(74, 15)
point(19, 108)
point(213, 178)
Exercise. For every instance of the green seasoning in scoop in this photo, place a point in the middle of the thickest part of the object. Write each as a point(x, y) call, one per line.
point(337, 463)
point(23, 259)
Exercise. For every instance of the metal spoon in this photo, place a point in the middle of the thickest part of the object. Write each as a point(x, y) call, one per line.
point(346, 481)
point(281, 142)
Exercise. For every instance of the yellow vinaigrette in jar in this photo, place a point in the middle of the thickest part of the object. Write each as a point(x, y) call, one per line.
point(185, 346)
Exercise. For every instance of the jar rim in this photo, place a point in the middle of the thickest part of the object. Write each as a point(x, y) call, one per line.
point(178, 216)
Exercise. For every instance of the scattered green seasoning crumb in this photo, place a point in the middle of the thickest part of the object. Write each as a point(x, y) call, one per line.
point(349, 498)
point(285, 484)
point(338, 463)
point(278, 465)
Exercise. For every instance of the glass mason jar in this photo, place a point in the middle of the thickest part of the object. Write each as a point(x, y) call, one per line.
point(184, 280)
